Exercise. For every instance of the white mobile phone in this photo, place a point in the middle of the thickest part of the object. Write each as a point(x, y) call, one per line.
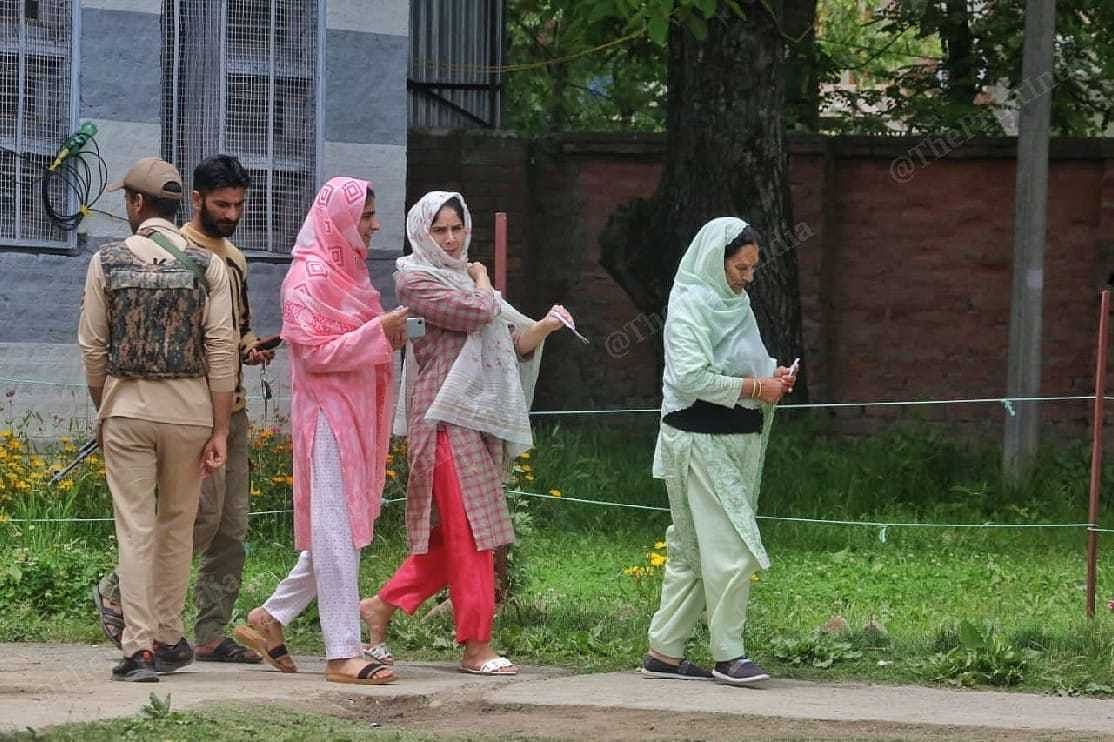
point(796, 365)
point(415, 327)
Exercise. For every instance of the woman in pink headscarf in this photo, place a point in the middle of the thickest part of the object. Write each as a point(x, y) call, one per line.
point(341, 349)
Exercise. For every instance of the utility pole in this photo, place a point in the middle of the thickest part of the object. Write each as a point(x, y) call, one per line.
point(1030, 221)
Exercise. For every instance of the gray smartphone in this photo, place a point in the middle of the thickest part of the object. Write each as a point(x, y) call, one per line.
point(415, 327)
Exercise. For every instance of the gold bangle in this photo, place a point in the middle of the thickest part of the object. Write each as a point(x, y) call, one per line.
point(757, 389)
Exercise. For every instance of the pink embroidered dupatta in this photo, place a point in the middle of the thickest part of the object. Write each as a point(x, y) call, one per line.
point(340, 360)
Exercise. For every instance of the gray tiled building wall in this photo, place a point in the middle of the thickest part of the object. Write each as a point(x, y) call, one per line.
point(366, 52)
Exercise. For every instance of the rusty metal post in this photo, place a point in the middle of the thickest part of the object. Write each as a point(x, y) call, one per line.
point(1096, 452)
point(501, 252)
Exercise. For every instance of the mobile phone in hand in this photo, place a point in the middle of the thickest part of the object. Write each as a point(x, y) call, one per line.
point(269, 343)
point(415, 327)
point(795, 367)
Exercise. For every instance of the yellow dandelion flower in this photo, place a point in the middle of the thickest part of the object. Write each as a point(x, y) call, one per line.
point(656, 560)
point(524, 456)
point(277, 479)
point(555, 493)
point(756, 577)
point(659, 545)
point(66, 485)
point(529, 477)
point(255, 492)
point(391, 474)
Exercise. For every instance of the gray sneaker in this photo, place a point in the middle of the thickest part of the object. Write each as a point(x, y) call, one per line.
point(652, 667)
point(739, 671)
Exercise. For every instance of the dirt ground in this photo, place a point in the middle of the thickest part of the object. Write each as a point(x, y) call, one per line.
point(475, 717)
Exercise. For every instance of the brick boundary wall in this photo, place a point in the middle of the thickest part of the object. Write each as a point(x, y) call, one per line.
point(905, 272)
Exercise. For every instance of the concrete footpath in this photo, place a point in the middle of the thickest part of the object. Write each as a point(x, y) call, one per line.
point(797, 699)
point(45, 684)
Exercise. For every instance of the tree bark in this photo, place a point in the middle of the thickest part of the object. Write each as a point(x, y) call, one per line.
point(959, 48)
point(802, 84)
point(725, 155)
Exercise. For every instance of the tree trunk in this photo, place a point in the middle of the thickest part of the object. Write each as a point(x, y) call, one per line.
point(802, 85)
point(959, 48)
point(725, 155)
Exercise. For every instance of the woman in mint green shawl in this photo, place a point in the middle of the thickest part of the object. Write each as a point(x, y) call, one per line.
point(719, 391)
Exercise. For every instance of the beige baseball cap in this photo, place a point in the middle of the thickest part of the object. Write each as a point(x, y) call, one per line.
point(153, 177)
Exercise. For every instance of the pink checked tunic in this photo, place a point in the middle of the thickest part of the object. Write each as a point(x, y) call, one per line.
point(450, 315)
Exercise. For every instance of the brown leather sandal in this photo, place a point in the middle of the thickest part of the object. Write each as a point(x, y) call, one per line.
point(277, 656)
point(373, 673)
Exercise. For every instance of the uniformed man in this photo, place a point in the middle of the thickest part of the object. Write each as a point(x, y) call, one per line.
point(159, 348)
point(220, 186)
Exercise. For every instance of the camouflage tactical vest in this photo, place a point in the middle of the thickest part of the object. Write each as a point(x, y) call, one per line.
point(156, 315)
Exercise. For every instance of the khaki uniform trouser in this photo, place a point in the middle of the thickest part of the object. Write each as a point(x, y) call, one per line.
point(218, 538)
point(153, 533)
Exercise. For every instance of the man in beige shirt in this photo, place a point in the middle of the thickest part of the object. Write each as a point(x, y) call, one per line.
point(159, 349)
point(220, 186)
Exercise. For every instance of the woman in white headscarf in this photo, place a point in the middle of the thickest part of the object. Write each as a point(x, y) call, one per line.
point(467, 388)
point(719, 391)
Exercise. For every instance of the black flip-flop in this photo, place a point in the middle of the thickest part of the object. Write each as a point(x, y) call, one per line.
point(229, 651)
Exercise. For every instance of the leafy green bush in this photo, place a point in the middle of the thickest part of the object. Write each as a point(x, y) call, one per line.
point(982, 656)
point(819, 649)
point(54, 581)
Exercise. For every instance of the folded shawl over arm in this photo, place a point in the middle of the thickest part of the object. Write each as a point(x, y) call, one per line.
point(465, 376)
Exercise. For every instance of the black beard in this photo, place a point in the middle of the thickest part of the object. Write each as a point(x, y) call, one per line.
point(212, 227)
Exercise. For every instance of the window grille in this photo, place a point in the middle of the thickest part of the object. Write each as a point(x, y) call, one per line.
point(241, 77)
point(37, 112)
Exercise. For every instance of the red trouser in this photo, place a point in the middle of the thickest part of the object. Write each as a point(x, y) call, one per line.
point(452, 559)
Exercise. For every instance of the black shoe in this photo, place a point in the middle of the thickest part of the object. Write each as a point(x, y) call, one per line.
point(652, 667)
point(739, 671)
point(139, 668)
point(170, 658)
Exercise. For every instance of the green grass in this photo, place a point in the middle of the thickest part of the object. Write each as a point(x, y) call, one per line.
point(274, 723)
point(957, 605)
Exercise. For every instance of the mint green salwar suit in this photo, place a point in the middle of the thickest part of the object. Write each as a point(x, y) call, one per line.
point(714, 545)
